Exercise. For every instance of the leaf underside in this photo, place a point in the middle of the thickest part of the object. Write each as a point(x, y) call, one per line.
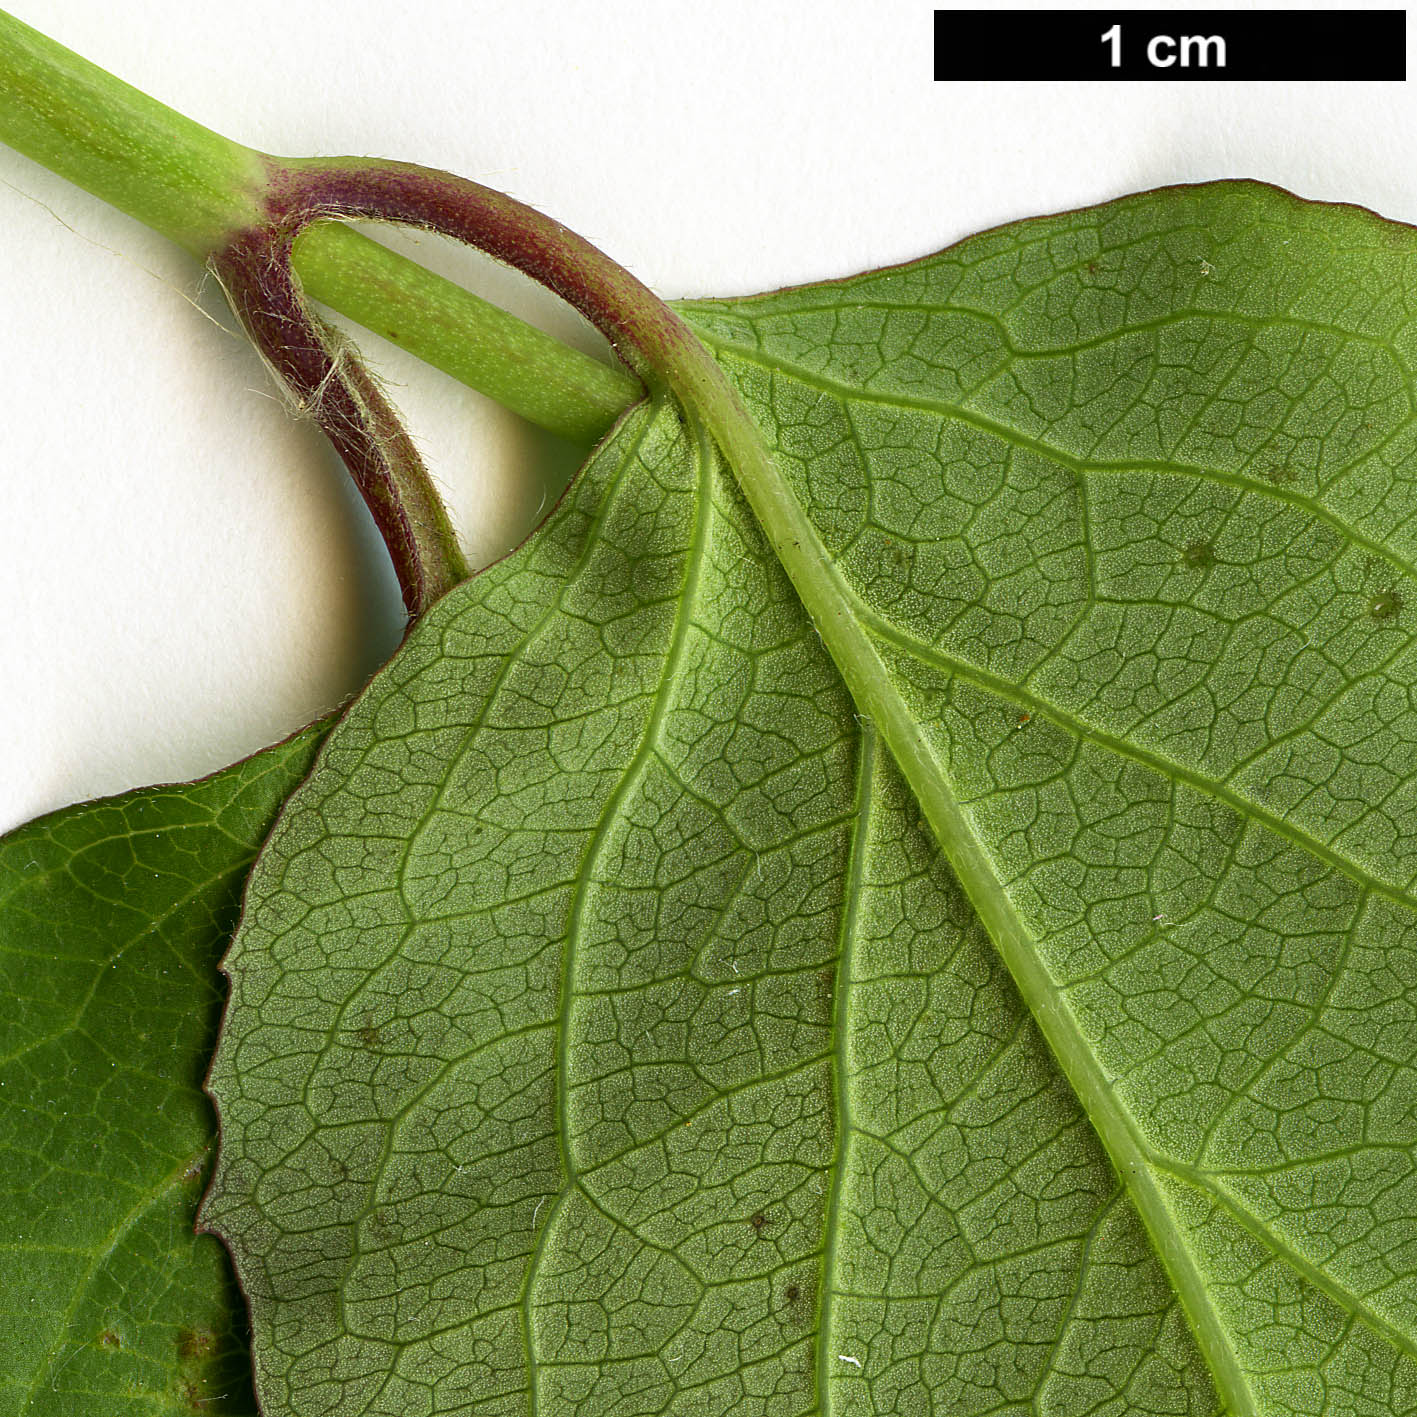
point(113, 915)
point(608, 1032)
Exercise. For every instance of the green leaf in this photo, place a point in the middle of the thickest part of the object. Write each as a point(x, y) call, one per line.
point(608, 1032)
point(112, 917)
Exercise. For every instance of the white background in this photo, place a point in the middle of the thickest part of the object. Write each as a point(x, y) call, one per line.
point(183, 574)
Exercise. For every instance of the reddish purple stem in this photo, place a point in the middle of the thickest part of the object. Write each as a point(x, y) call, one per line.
point(328, 380)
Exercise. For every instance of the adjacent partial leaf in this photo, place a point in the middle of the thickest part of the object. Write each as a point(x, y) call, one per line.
point(609, 1036)
point(112, 917)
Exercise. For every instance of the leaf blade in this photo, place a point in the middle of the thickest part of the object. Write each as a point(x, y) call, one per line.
point(1063, 503)
point(716, 843)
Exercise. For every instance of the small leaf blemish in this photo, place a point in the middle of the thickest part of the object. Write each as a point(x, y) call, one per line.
point(1385, 605)
point(1198, 555)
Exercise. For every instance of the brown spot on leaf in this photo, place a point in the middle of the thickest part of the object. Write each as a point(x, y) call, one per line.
point(759, 1222)
point(109, 1340)
point(194, 1344)
point(797, 1301)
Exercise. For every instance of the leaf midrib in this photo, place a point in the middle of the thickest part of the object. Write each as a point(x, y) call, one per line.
point(1257, 1230)
point(829, 602)
point(846, 625)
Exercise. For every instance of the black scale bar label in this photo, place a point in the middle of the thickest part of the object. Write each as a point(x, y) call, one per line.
point(1170, 44)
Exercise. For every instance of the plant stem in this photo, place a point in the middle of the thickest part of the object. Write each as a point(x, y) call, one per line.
point(200, 189)
point(329, 383)
point(171, 173)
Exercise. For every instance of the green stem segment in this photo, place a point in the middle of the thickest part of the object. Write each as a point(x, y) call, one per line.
point(227, 204)
point(477, 343)
point(181, 179)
